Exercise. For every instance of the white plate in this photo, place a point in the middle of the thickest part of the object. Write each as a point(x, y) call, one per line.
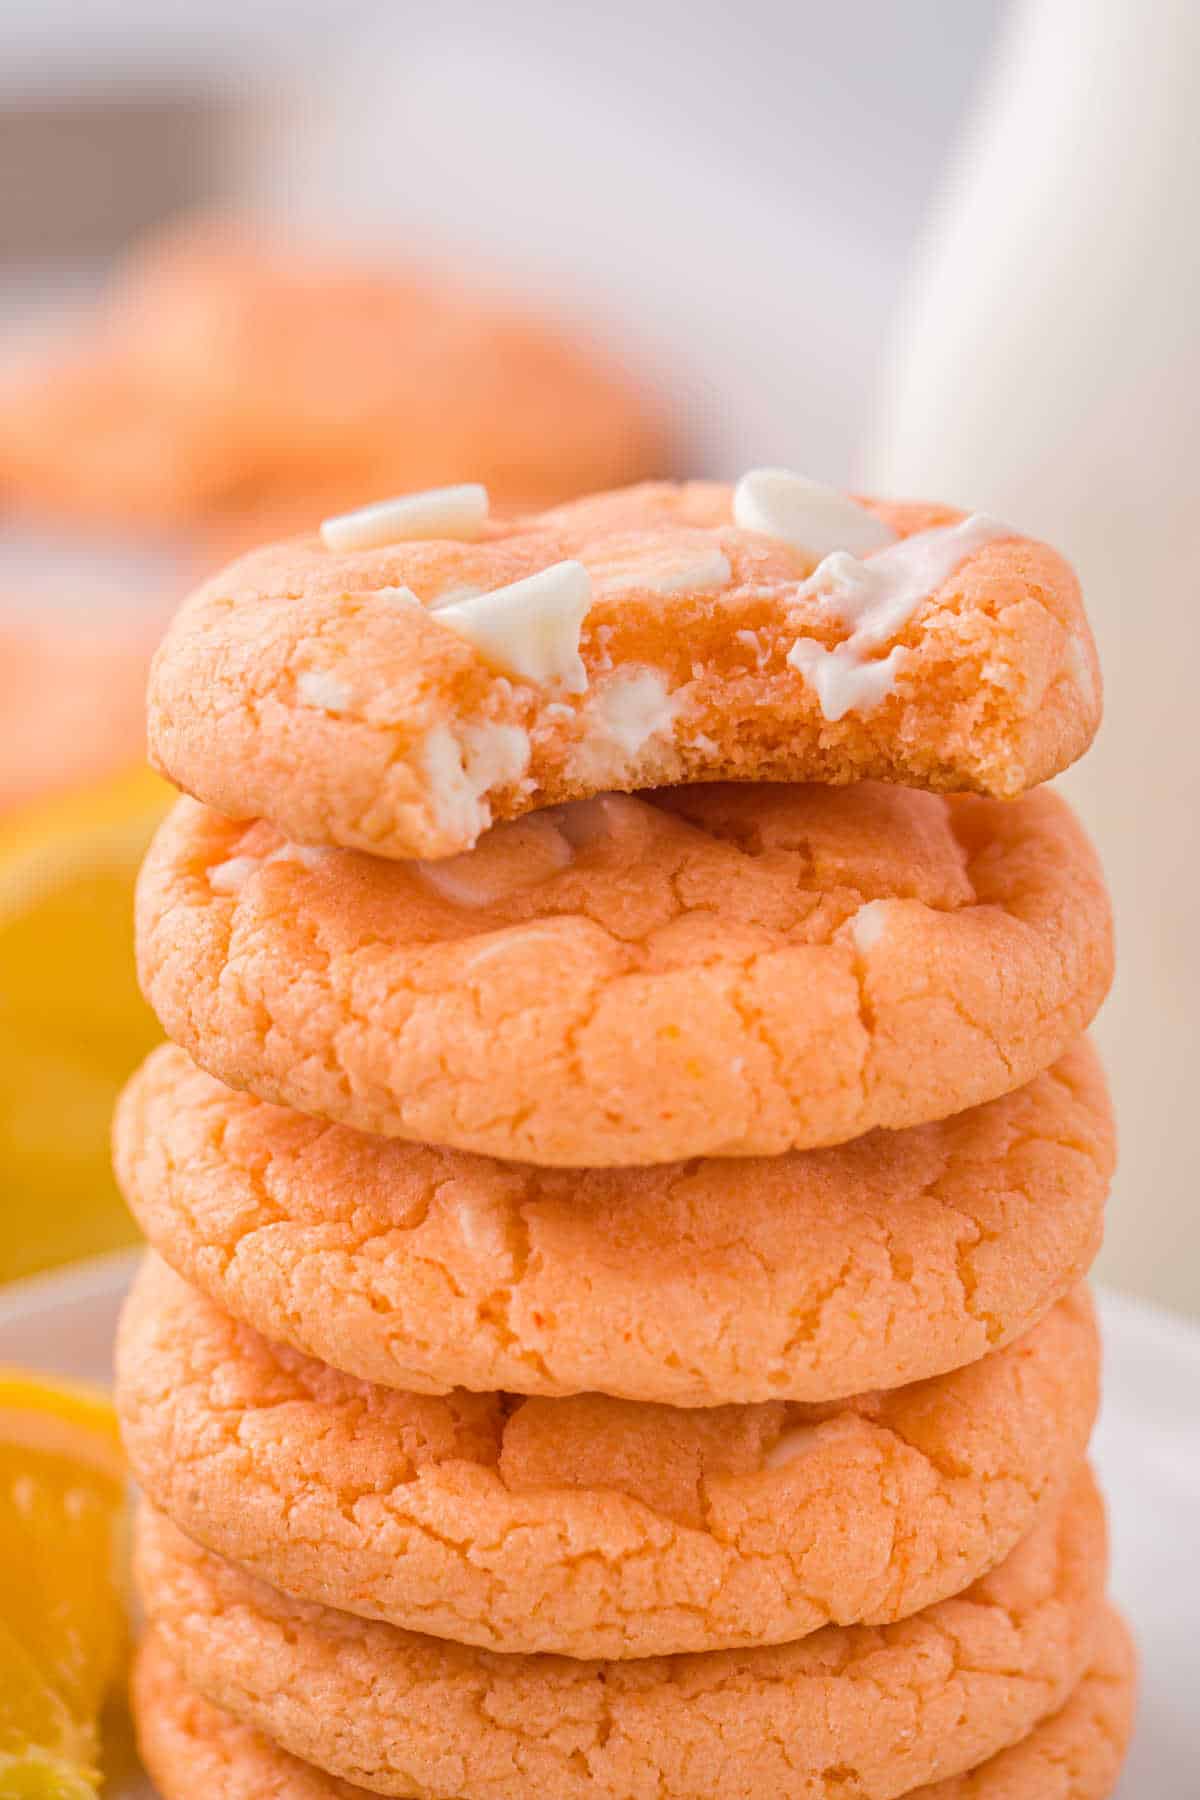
point(1147, 1448)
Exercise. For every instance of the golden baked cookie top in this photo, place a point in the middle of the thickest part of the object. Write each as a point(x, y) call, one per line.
point(224, 371)
point(422, 668)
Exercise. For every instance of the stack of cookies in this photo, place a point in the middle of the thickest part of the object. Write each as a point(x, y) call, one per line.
point(623, 1177)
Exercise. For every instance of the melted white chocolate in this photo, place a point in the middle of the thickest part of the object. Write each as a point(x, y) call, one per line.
point(462, 769)
point(520, 853)
point(877, 598)
point(843, 682)
point(632, 709)
point(506, 860)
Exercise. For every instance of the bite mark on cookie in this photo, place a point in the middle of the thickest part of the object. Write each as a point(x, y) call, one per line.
point(978, 692)
point(463, 768)
point(877, 598)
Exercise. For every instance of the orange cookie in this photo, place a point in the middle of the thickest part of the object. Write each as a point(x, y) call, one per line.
point(224, 372)
point(194, 1750)
point(728, 970)
point(437, 671)
point(592, 1526)
point(802, 1277)
point(871, 1712)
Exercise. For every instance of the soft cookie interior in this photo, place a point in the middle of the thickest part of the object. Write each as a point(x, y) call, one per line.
point(424, 669)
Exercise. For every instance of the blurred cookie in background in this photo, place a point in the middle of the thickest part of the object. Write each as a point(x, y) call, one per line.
point(224, 372)
point(224, 390)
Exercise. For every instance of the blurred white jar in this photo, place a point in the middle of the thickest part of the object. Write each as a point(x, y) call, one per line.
point(1046, 367)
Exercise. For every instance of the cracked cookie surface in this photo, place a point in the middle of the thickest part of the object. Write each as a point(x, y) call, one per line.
point(868, 1712)
point(195, 1750)
point(802, 1277)
point(689, 656)
point(722, 971)
point(592, 1526)
point(726, 970)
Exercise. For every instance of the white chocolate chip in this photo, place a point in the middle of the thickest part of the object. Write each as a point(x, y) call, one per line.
point(751, 641)
point(851, 590)
point(322, 689)
point(481, 1230)
point(805, 513)
point(796, 1442)
point(403, 596)
point(230, 877)
point(633, 709)
point(507, 859)
point(624, 715)
point(843, 682)
point(461, 771)
point(453, 596)
point(868, 925)
point(602, 817)
point(447, 512)
point(530, 628)
point(876, 599)
point(309, 856)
